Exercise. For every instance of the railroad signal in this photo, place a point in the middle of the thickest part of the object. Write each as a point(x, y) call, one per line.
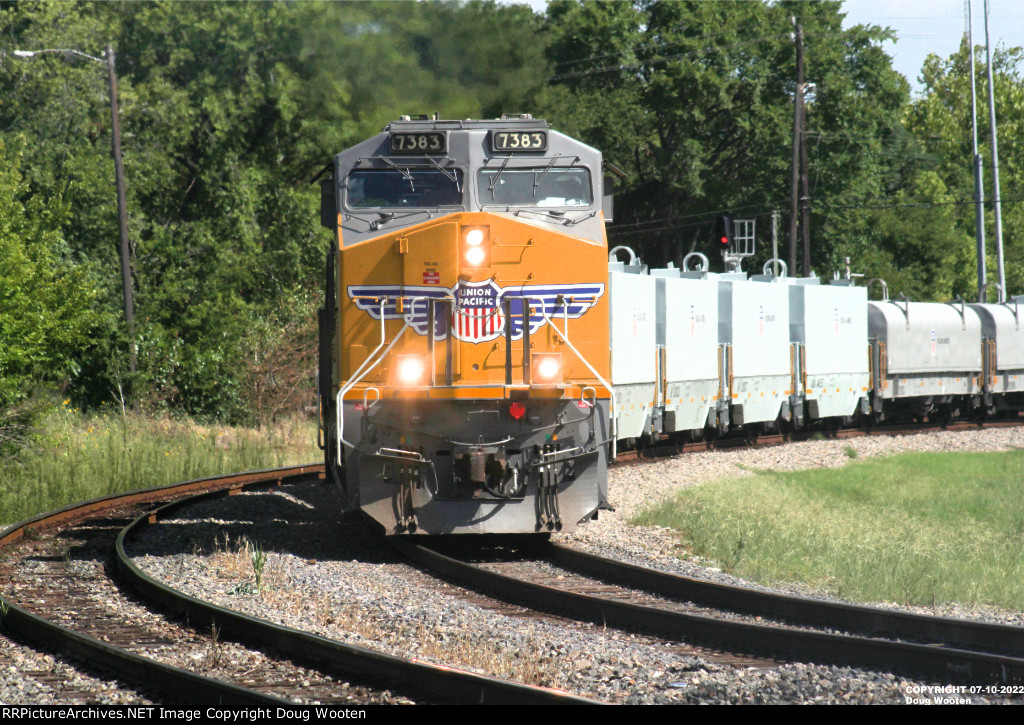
point(723, 233)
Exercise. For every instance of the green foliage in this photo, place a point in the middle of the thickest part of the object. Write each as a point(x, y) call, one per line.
point(46, 314)
point(941, 124)
point(694, 101)
point(227, 110)
point(85, 456)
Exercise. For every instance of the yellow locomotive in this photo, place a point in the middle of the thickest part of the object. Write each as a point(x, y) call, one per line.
point(464, 354)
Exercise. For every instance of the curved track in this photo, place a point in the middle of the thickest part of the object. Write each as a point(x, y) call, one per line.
point(75, 628)
point(942, 648)
point(986, 663)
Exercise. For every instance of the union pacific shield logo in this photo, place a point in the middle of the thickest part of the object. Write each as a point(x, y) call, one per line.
point(474, 312)
point(476, 316)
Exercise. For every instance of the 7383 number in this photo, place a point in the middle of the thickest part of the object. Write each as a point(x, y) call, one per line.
point(519, 140)
point(422, 143)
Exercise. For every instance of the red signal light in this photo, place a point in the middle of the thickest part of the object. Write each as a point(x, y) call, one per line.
point(517, 410)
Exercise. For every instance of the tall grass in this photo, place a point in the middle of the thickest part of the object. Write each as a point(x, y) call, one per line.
point(916, 528)
point(80, 457)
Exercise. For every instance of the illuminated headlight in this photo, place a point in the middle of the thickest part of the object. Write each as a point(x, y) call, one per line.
point(476, 247)
point(547, 367)
point(410, 370)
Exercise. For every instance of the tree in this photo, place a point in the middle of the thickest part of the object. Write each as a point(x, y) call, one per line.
point(941, 122)
point(46, 304)
point(694, 101)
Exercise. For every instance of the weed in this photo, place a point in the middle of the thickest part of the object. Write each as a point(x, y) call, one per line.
point(79, 457)
point(213, 658)
point(850, 452)
point(259, 562)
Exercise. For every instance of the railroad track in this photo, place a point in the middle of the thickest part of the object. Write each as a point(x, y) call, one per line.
point(665, 447)
point(82, 537)
point(54, 564)
point(607, 592)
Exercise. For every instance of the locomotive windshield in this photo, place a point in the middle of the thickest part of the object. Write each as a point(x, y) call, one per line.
point(543, 187)
point(404, 187)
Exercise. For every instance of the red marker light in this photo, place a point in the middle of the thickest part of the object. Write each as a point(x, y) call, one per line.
point(517, 410)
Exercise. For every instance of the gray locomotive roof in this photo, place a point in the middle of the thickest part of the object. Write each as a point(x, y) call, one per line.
point(469, 150)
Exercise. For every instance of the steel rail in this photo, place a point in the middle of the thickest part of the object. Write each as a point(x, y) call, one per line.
point(806, 645)
point(438, 681)
point(838, 615)
point(174, 681)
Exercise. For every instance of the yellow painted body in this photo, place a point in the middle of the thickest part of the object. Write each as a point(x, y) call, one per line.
point(517, 253)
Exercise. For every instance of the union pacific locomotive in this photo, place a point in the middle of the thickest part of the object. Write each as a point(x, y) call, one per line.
point(482, 355)
point(464, 342)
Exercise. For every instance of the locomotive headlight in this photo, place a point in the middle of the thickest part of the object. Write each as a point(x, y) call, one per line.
point(410, 370)
point(547, 367)
point(475, 246)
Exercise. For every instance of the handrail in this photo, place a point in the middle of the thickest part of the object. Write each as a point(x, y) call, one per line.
point(366, 367)
point(605, 383)
point(775, 264)
point(885, 287)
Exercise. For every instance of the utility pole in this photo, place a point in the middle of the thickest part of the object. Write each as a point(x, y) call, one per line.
point(979, 187)
point(996, 201)
point(122, 215)
point(775, 243)
point(798, 108)
point(805, 191)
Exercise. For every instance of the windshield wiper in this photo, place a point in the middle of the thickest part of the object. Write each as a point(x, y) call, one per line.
point(406, 174)
point(579, 219)
point(383, 217)
point(452, 177)
point(496, 176)
point(538, 179)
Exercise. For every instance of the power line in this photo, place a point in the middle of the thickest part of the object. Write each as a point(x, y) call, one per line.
point(707, 216)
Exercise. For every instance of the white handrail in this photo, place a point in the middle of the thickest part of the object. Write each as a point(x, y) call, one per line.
point(362, 370)
point(590, 367)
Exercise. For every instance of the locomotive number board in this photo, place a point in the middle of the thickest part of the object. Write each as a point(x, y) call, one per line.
point(427, 143)
point(519, 140)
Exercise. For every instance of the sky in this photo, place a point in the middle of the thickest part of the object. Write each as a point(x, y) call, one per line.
point(926, 26)
point(936, 26)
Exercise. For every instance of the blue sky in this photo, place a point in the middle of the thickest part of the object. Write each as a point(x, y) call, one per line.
point(936, 26)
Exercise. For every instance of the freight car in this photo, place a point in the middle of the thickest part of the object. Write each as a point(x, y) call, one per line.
point(729, 352)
